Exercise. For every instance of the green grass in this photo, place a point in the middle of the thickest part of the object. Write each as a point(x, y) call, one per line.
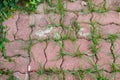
point(118, 9)
point(92, 7)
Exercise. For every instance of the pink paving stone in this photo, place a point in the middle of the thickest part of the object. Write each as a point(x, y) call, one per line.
point(24, 29)
point(11, 24)
point(15, 48)
point(84, 31)
point(37, 56)
point(110, 29)
point(40, 8)
point(112, 4)
point(74, 62)
point(84, 45)
point(69, 18)
point(73, 6)
point(41, 20)
point(97, 2)
point(20, 76)
point(18, 64)
point(35, 76)
point(107, 18)
point(71, 63)
point(104, 56)
point(69, 76)
point(54, 18)
point(52, 31)
point(52, 53)
point(84, 18)
point(117, 76)
point(69, 46)
point(89, 77)
point(117, 51)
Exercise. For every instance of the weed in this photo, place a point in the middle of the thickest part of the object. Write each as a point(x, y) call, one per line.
point(9, 73)
point(92, 7)
point(94, 38)
point(118, 9)
point(115, 67)
point(60, 8)
point(76, 27)
point(41, 70)
point(112, 37)
point(3, 40)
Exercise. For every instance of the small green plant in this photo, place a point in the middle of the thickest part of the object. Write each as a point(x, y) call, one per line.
point(3, 40)
point(41, 70)
point(95, 36)
point(118, 9)
point(60, 8)
point(92, 7)
point(9, 73)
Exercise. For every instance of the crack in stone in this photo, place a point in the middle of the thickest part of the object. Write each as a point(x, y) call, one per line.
point(17, 26)
point(112, 51)
point(45, 55)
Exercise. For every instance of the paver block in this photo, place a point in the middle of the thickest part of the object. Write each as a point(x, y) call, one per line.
point(12, 28)
point(73, 6)
point(104, 56)
point(38, 56)
point(52, 53)
point(69, 18)
point(107, 18)
point(17, 64)
point(16, 48)
point(84, 18)
point(23, 27)
point(110, 29)
point(84, 31)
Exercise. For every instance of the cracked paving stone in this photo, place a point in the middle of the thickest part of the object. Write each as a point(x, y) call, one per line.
point(110, 29)
point(52, 52)
point(17, 64)
point(107, 18)
point(23, 27)
point(84, 18)
point(38, 56)
point(76, 62)
point(104, 56)
point(16, 48)
point(69, 18)
point(11, 25)
point(84, 31)
point(73, 6)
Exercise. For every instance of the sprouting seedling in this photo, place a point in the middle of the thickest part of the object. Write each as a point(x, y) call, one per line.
point(60, 8)
point(41, 70)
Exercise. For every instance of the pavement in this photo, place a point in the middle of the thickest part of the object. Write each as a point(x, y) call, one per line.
point(65, 53)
